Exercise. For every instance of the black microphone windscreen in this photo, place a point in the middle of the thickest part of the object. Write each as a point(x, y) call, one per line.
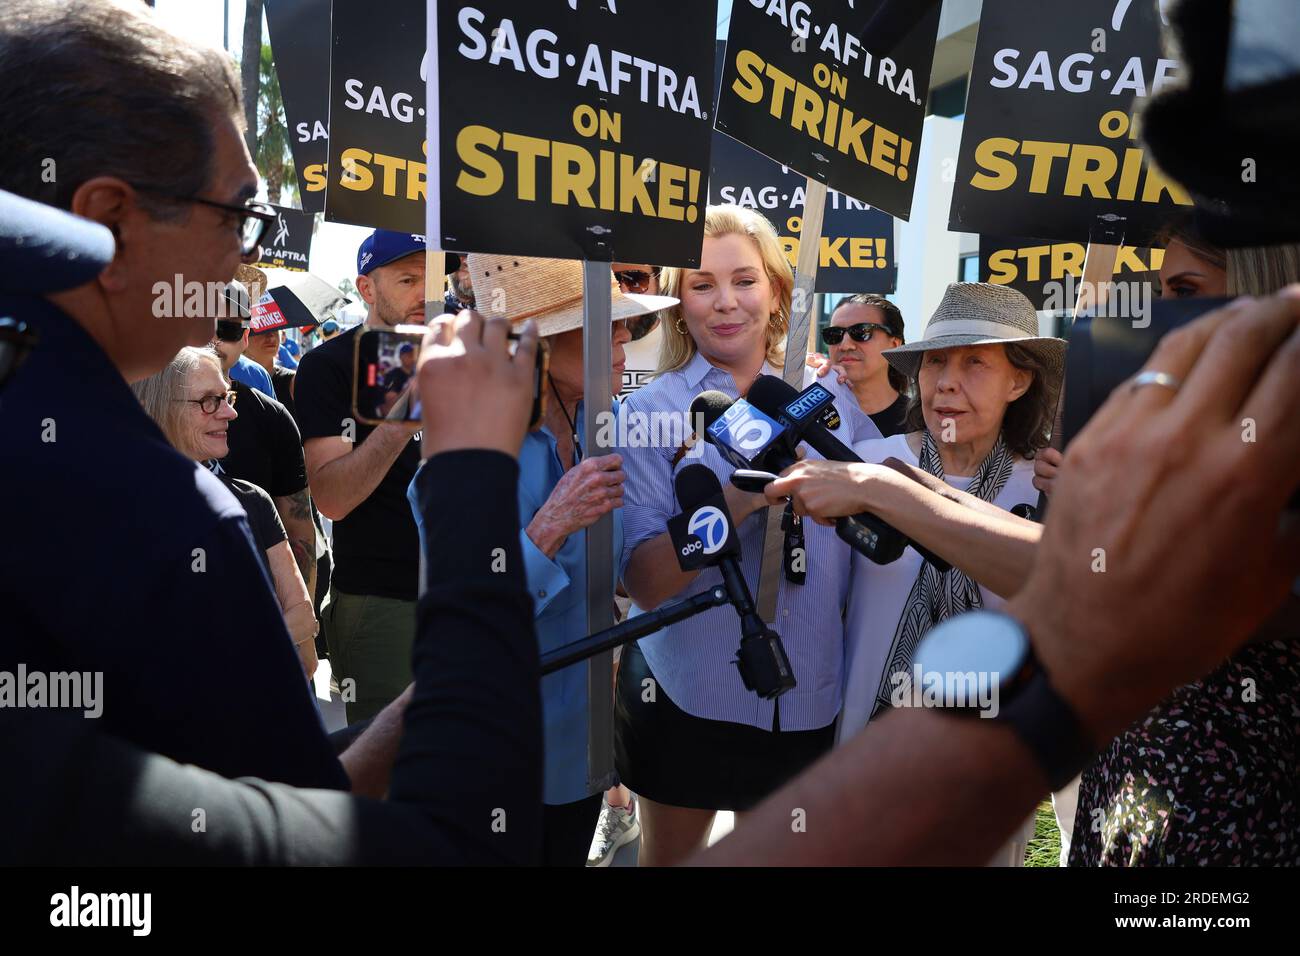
point(695, 484)
point(770, 395)
point(712, 405)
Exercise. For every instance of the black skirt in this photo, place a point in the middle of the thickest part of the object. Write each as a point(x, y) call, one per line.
point(666, 755)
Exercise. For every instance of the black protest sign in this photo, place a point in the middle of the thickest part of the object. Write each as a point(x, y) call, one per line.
point(857, 241)
point(1049, 142)
point(574, 130)
point(837, 93)
point(287, 243)
point(1048, 273)
point(376, 134)
point(300, 45)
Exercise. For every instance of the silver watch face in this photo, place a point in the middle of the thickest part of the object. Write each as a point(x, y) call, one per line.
point(991, 647)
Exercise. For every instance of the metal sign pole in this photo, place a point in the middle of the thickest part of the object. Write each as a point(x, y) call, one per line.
point(803, 304)
point(598, 361)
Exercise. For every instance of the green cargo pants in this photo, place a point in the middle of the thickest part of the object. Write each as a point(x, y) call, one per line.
point(370, 641)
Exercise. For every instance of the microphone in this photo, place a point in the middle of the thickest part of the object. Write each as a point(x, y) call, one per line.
point(801, 416)
point(743, 435)
point(703, 535)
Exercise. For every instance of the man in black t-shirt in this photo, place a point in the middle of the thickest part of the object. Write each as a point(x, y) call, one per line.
point(862, 326)
point(358, 476)
point(266, 450)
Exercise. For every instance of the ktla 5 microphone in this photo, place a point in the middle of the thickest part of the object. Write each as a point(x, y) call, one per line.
point(801, 416)
point(762, 661)
point(743, 435)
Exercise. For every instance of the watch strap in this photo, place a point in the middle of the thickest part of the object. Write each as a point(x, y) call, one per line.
point(1050, 729)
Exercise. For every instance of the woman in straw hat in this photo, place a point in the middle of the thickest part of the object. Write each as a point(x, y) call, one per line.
point(984, 386)
point(563, 489)
point(690, 739)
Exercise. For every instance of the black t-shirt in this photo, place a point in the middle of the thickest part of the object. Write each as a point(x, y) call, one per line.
point(263, 520)
point(376, 547)
point(265, 449)
point(282, 382)
point(890, 420)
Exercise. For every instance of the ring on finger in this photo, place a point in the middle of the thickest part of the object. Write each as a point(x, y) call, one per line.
point(1163, 379)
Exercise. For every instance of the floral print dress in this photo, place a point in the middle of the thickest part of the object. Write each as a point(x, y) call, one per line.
point(1208, 778)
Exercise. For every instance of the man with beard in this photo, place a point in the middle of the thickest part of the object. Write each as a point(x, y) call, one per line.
point(358, 476)
point(460, 294)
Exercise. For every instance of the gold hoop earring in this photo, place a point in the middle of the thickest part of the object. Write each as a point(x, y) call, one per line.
point(679, 325)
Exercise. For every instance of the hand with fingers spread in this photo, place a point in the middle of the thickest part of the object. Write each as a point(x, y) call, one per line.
point(475, 394)
point(590, 489)
point(1177, 488)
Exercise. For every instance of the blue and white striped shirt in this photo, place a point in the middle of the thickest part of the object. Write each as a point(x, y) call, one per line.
point(692, 660)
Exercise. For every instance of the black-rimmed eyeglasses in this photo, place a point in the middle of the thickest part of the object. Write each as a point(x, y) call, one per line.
point(210, 403)
point(254, 217)
point(834, 334)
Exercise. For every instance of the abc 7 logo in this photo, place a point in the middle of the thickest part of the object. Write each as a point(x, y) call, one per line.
point(709, 526)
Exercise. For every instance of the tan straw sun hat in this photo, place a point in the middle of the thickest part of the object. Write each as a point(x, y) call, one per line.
point(548, 291)
point(982, 313)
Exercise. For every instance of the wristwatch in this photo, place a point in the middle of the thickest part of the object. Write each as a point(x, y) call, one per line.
point(982, 664)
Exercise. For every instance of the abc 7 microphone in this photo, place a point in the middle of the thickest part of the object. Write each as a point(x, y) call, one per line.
point(702, 537)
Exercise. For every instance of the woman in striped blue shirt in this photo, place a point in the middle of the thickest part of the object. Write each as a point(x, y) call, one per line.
point(690, 738)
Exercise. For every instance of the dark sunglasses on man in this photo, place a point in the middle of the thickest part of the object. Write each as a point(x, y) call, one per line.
point(861, 332)
point(636, 281)
point(229, 330)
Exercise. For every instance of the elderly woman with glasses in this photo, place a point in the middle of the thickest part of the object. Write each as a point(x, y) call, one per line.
point(192, 403)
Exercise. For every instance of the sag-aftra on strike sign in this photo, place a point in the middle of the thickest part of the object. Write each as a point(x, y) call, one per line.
point(575, 130)
point(1051, 137)
point(835, 90)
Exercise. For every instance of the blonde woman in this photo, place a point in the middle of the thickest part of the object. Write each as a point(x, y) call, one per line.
point(192, 403)
point(689, 738)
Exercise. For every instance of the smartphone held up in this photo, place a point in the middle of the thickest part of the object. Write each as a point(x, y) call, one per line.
point(384, 382)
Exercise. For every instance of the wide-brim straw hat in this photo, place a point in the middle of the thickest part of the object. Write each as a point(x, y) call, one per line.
point(982, 313)
point(548, 291)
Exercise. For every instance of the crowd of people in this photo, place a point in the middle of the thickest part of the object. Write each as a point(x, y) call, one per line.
point(255, 527)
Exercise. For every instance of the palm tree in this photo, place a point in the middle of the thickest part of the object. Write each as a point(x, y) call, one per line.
point(249, 69)
point(273, 158)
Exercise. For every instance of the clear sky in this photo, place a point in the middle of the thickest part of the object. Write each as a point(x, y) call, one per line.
point(334, 250)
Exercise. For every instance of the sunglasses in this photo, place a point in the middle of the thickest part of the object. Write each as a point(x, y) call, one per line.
point(834, 334)
point(210, 403)
point(228, 331)
point(635, 280)
point(642, 325)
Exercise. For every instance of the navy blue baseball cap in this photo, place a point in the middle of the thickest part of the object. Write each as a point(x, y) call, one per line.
point(384, 246)
point(43, 249)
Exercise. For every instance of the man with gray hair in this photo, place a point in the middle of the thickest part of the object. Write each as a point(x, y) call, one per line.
point(106, 114)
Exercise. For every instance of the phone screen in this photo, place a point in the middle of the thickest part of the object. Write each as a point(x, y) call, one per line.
point(385, 372)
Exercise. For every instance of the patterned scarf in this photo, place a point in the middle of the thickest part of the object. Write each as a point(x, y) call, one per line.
point(937, 596)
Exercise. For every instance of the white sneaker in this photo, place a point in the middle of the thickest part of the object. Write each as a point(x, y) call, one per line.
point(617, 827)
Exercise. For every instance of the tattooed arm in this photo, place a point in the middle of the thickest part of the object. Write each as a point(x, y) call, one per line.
point(295, 512)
